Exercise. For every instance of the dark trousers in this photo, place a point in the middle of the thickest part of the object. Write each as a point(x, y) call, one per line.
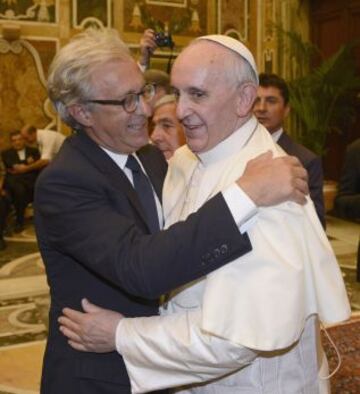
point(4, 210)
point(358, 263)
point(21, 194)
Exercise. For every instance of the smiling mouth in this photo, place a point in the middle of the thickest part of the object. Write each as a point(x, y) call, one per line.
point(191, 127)
point(137, 126)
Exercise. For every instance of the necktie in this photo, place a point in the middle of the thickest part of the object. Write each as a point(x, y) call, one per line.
point(145, 193)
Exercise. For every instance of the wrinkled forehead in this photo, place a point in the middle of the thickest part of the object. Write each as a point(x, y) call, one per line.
point(165, 110)
point(201, 61)
point(118, 76)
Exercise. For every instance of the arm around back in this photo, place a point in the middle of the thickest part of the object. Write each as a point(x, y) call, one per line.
point(94, 223)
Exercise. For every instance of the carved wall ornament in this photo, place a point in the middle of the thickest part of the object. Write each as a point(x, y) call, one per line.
point(91, 13)
point(180, 17)
point(23, 87)
point(233, 19)
point(43, 11)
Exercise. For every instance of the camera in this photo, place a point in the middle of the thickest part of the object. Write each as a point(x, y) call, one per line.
point(163, 39)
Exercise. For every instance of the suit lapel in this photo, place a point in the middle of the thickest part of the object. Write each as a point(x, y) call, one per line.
point(284, 141)
point(109, 168)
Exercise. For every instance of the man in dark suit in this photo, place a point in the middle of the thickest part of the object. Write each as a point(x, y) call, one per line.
point(20, 178)
point(96, 233)
point(347, 200)
point(271, 108)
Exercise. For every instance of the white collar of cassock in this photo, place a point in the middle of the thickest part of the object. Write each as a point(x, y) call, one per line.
point(231, 145)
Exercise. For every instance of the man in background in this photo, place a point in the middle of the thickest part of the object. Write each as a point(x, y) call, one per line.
point(20, 176)
point(4, 200)
point(271, 108)
point(47, 141)
point(161, 82)
point(347, 200)
point(168, 133)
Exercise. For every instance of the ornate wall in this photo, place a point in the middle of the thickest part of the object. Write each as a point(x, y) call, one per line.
point(33, 30)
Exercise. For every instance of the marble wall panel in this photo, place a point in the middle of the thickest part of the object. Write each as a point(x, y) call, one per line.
point(22, 84)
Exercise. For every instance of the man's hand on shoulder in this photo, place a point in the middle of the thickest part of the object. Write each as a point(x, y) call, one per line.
point(92, 331)
point(270, 181)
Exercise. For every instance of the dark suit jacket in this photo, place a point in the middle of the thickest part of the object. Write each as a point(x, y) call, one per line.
point(347, 201)
point(10, 158)
point(95, 243)
point(313, 165)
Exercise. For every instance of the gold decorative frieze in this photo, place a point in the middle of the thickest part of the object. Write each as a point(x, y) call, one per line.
point(39, 11)
point(177, 17)
point(170, 3)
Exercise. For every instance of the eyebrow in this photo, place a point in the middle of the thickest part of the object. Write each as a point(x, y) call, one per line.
point(162, 119)
point(132, 91)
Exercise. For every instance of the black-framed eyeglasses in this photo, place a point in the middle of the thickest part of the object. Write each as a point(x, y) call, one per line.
point(131, 101)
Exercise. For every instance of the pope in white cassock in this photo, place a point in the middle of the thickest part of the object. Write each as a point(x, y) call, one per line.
point(251, 326)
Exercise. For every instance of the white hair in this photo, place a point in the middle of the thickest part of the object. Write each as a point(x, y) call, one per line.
point(69, 78)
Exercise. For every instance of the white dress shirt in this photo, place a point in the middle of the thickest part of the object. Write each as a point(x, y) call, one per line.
point(120, 159)
point(49, 143)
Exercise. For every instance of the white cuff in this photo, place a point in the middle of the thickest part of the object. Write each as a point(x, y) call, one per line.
point(241, 206)
point(119, 335)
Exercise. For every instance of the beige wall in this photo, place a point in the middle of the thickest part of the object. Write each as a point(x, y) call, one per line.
point(32, 31)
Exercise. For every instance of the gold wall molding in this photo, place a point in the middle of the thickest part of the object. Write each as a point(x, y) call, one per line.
point(34, 11)
point(82, 17)
point(23, 87)
point(233, 19)
point(248, 20)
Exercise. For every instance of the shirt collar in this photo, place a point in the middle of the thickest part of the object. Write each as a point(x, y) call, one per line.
point(231, 145)
point(119, 158)
point(277, 134)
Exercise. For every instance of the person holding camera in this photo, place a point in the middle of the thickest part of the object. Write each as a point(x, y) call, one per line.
point(148, 46)
point(150, 41)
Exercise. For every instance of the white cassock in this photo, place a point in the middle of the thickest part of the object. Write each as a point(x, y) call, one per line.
point(253, 320)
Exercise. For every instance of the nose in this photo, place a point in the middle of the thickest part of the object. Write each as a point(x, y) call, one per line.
point(182, 107)
point(260, 105)
point(156, 134)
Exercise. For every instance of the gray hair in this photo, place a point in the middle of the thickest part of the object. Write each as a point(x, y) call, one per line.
point(159, 78)
point(167, 99)
point(69, 80)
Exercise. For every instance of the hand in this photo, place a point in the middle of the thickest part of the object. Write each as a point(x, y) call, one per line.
point(19, 169)
point(270, 181)
point(92, 331)
point(147, 47)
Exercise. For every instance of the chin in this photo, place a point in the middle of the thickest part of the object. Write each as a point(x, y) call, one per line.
point(196, 145)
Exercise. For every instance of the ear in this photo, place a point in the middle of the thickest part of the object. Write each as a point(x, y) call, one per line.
point(287, 110)
point(246, 95)
point(81, 114)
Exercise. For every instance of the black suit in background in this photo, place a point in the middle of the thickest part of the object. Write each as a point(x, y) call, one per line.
point(313, 166)
point(347, 201)
point(95, 243)
point(20, 186)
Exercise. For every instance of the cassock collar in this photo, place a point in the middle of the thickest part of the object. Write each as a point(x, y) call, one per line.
point(231, 145)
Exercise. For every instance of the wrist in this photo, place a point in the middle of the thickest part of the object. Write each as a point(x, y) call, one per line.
point(249, 188)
